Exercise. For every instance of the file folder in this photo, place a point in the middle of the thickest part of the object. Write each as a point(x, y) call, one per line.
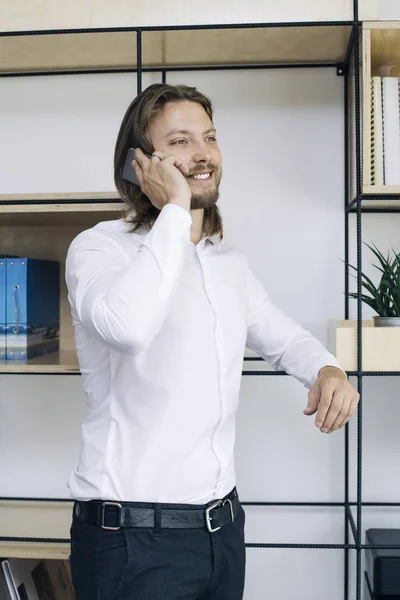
point(32, 308)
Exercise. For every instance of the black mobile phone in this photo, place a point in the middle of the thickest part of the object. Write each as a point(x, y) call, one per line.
point(128, 173)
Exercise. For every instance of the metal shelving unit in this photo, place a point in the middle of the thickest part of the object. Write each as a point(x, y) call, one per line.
point(360, 203)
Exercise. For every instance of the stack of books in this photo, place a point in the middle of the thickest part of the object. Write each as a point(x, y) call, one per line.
point(29, 308)
point(385, 131)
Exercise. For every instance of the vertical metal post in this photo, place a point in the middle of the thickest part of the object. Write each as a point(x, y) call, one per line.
point(164, 75)
point(359, 301)
point(346, 316)
point(139, 60)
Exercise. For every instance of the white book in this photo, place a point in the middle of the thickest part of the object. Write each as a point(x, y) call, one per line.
point(377, 168)
point(391, 130)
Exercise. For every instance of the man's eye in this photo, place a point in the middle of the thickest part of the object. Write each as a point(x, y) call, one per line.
point(212, 138)
point(179, 142)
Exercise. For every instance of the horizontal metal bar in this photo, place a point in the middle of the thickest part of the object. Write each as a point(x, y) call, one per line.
point(387, 210)
point(373, 373)
point(188, 68)
point(245, 503)
point(380, 196)
point(263, 373)
point(304, 546)
point(248, 545)
point(333, 504)
point(244, 373)
point(62, 201)
point(216, 26)
point(193, 68)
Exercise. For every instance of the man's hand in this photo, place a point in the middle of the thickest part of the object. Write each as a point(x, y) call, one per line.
point(333, 398)
point(162, 179)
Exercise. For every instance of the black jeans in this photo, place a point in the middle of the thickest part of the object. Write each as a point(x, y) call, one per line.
point(164, 564)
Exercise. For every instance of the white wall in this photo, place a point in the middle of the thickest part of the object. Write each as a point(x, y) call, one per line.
point(281, 134)
point(389, 9)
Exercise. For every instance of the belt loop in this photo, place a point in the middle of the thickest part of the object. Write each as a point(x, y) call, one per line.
point(157, 520)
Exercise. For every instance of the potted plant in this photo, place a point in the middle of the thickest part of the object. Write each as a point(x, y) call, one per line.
point(384, 298)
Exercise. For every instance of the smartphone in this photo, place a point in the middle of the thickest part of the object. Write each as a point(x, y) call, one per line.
point(128, 173)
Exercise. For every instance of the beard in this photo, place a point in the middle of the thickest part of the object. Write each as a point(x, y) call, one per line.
point(208, 198)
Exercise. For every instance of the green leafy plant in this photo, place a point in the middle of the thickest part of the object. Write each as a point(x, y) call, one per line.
point(384, 298)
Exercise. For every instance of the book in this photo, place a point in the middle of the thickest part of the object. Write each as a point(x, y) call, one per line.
point(391, 130)
point(32, 308)
point(377, 167)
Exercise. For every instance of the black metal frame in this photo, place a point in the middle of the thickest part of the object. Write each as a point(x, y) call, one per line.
point(354, 207)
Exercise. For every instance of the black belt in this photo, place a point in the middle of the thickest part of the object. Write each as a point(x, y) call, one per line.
point(114, 515)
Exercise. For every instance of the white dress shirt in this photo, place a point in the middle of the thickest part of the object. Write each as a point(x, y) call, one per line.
point(161, 326)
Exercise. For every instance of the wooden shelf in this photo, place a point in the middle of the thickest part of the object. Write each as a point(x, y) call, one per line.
point(381, 190)
point(117, 50)
point(380, 346)
point(385, 44)
point(32, 519)
point(64, 362)
point(79, 212)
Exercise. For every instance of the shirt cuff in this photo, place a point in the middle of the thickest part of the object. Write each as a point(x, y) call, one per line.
point(327, 361)
point(174, 217)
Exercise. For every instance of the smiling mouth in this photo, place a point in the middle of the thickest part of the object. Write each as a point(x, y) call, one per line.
point(201, 176)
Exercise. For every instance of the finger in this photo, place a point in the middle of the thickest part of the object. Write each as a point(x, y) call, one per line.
point(156, 157)
point(343, 414)
point(176, 162)
point(324, 404)
point(138, 171)
point(352, 409)
point(312, 405)
point(142, 158)
point(333, 412)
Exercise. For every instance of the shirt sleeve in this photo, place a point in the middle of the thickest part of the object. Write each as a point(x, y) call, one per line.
point(125, 305)
point(284, 344)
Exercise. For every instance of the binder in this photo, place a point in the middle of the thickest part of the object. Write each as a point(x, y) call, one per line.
point(32, 308)
point(2, 309)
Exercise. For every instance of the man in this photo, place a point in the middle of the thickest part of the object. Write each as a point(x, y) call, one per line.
point(162, 312)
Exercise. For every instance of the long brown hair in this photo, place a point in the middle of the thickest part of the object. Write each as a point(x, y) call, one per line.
point(139, 211)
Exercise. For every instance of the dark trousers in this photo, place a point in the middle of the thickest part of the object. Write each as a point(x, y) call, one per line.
point(158, 564)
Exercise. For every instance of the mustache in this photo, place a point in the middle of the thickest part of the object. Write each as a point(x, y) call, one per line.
point(202, 169)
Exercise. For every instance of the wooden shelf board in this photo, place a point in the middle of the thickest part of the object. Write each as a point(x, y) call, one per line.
point(385, 45)
point(381, 190)
point(34, 519)
point(63, 196)
point(37, 550)
point(82, 213)
point(64, 362)
point(114, 50)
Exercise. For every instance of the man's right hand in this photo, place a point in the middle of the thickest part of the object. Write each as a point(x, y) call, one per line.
point(162, 179)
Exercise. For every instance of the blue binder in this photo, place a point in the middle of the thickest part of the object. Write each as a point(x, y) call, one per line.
point(32, 307)
point(2, 309)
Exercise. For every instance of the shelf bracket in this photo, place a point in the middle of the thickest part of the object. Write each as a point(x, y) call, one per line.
point(341, 69)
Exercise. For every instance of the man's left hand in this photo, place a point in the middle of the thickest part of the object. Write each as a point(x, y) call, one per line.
point(333, 398)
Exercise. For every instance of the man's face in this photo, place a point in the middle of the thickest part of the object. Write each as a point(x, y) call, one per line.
point(185, 130)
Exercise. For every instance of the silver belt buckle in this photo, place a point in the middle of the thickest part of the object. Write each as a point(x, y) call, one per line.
point(218, 504)
point(103, 514)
